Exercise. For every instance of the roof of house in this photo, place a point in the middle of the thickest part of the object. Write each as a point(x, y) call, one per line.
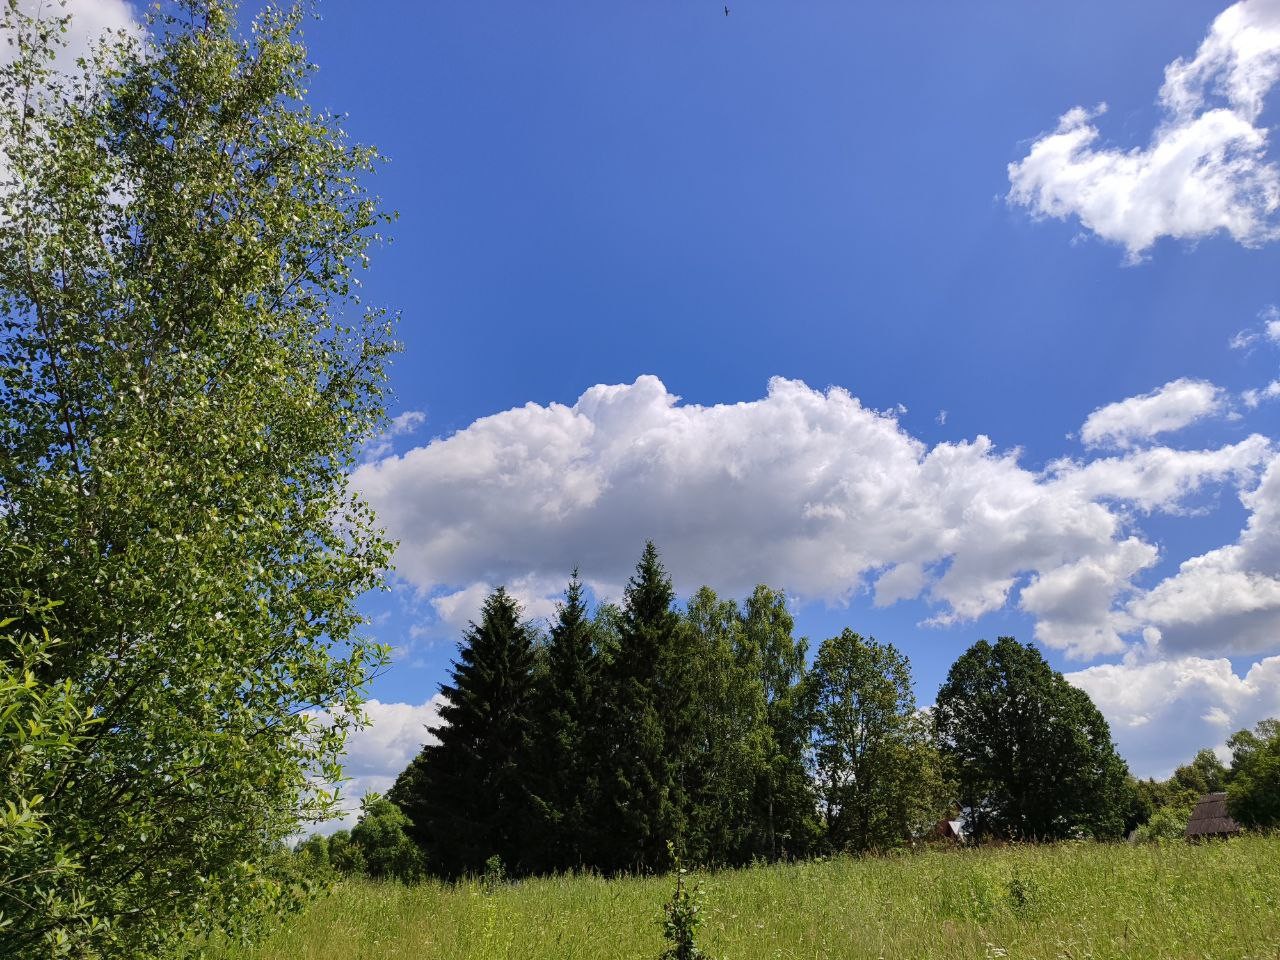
point(1210, 817)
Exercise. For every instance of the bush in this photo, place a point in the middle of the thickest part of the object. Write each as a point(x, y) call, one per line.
point(383, 841)
point(1167, 823)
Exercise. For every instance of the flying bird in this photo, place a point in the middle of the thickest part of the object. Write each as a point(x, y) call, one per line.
point(726, 11)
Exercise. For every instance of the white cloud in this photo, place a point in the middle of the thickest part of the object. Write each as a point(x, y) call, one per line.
point(1252, 398)
point(1205, 169)
point(1162, 711)
point(1243, 340)
point(807, 490)
point(1160, 478)
point(401, 425)
point(535, 595)
point(376, 754)
point(1074, 605)
point(1179, 403)
point(90, 19)
point(1227, 600)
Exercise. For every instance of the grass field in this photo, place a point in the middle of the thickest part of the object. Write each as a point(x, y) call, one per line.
point(1216, 900)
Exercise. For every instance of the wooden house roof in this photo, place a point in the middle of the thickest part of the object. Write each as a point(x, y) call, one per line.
point(1210, 818)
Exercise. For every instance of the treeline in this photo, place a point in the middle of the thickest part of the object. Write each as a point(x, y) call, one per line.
point(1251, 782)
point(633, 731)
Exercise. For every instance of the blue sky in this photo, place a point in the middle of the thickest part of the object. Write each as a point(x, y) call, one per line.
point(596, 193)
point(1022, 342)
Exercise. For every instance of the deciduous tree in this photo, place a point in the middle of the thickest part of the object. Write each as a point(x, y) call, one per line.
point(878, 774)
point(1253, 796)
point(185, 377)
point(1032, 755)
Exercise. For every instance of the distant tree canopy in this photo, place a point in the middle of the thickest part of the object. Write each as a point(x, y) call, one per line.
point(1031, 755)
point(1253, 794)
point(633, 727)
point(623, 731)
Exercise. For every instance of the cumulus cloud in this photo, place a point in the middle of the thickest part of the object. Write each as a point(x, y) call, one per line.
point(90, 20)
point(1253, 398)
point(1205, 169)
point(1177, 404)
point(402, 425)
point(1226, 600)
point(1163, 711)
point(377, 753)
point(808, 490)
point(1160, 478)
point(536, 596)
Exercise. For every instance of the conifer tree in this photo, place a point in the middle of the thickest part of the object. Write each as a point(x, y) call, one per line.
point(640, 806)
point(468, 794)
point(568, 781)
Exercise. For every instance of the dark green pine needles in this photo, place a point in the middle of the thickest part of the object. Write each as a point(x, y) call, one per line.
point(468, 794)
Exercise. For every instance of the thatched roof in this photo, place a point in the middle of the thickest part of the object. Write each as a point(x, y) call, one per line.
point(1210, 818)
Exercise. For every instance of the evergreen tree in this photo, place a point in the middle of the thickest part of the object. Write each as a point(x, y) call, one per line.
point(783, 806)
point(878, 774)
point(641, 809)
point(568, 782)
point(1032, 755)
point(468, 795)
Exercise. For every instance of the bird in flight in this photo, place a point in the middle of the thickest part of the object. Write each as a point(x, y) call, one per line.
point(726, 11)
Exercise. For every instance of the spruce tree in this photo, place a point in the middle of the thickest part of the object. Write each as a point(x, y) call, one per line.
point(568, 782)
point(468, 795)
point(640, 807)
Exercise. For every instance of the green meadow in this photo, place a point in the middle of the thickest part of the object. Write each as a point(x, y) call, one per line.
point(1063, 902)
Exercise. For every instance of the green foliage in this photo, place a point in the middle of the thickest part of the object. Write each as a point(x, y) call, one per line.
point(682, 916)
point(783, 818)
point(345, 855)
point(381, 835)
point(313, 853)
point(641, 797)
point(1166, 824)
point(469, 795)
point(1253, 796)
point(43, 725)
point(185, 377)
point(723, 742)
point(879, 776)
point(1031, 754)
point(566, 777)
point(1204, 774)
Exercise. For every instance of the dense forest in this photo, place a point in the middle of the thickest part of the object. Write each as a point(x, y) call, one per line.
point(630, 734)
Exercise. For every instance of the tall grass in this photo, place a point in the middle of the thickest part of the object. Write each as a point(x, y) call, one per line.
point(1216, 900)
